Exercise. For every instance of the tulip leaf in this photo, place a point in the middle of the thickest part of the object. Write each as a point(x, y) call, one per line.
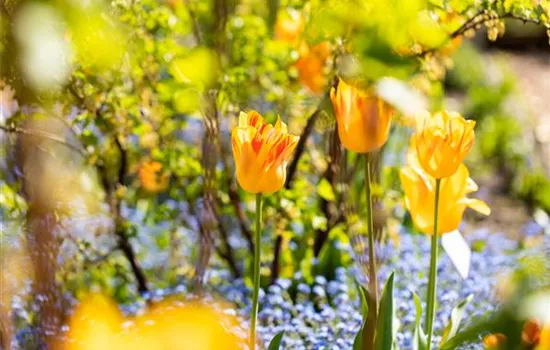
point(358, 342)
point(275, 343)
point(324, 189)
point(364, 297)
point(420, 341)
point(385, 329)
point(456, 316)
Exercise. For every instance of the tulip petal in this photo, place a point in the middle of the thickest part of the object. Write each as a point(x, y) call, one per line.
point(478, 205)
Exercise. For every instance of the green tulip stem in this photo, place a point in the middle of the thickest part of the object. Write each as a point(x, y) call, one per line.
point(372, 316)
point(432, 282)
point(256, 291)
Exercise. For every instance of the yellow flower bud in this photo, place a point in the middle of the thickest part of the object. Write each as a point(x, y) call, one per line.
point(261, 152)
point(363, 119)
point(419, 190)
point(442, 141)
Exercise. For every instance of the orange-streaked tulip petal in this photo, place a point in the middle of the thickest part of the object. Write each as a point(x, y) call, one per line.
point(261, 152)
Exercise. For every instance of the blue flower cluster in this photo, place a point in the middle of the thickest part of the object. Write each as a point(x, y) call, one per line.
point(325, 314)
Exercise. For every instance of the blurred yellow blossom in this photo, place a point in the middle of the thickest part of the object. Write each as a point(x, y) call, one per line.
point(152, 178)
point(289, 26)
point(97, 323)
point(311, 66)
point(494, 341)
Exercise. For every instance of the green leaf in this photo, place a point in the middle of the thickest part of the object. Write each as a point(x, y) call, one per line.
point(324, 189)
point(385, 327)
point(364, 296)
point(420, 341)
point(358, 342)
point(275, 343)
point(456, 316)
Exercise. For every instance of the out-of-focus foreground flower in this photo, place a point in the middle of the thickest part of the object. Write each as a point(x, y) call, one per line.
point(363, 119)
point(261, 153)
point(442, 141)
point(419, 190)
point(97, 323)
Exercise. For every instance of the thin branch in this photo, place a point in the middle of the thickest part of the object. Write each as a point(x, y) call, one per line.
point(472, 23)
point(43, 134)
point(301, 146)
point(196, 30)
point(120, 223)
point(523, 19)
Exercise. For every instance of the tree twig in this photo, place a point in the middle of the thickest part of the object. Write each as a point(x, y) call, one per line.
point(301, 146)
point(43, 134)
point(120, 224)
point(473, 22)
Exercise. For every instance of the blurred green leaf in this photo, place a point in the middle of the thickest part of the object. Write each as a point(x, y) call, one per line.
point(324, 189)
point(456, 316)
point(420, 341)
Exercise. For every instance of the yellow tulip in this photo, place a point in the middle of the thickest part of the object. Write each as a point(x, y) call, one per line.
point(419, 190)
point(311, 65)
point(261, 152)
point(442, 141)
point(363, 119)
point(97, 323)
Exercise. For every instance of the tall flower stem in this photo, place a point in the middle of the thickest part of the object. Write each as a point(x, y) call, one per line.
point(432, 282)
point(372, 316)
point(256, 291)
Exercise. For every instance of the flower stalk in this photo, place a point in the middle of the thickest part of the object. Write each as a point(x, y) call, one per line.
point(372, 316)
point(432, 282)
point(256, 279)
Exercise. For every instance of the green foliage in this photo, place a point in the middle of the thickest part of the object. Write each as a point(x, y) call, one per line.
point(456, 316)
point(386, 326)
point(275, 343)
point(148, 82)
point(420, 340)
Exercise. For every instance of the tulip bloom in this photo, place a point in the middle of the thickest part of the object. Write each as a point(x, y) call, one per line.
point(419, 190)
point(363, 119)
point(442, 141)
point(261, 152)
